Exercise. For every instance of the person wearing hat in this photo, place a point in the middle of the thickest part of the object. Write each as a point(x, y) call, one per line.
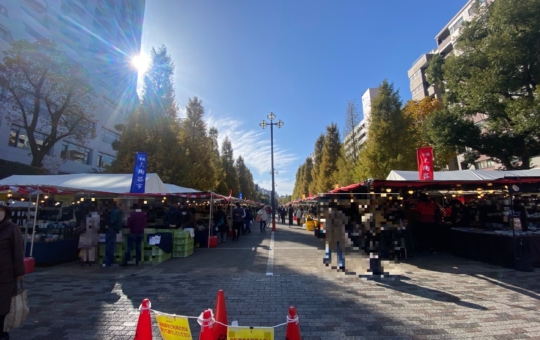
point(11, 264)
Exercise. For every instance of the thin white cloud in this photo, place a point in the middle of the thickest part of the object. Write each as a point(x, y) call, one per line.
point(254, 146)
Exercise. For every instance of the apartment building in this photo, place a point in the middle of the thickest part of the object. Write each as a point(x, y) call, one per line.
point(360, 132)
point(102, 35)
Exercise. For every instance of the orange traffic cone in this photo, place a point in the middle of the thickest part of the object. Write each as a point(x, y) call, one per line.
point(144, 326)
point(206, 320)
point(220, 331)
point(293, 329)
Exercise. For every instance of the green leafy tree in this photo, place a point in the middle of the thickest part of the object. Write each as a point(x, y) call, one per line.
point(494, 78)
point(344, 174)
point(159, 95)
point(153, 127)
point(352, 118)
point(245, 179)
point(389, 146)
point(306, 178)
point(418, 112)
point(227, 161)
point(317, 158)
point(46, 92)
point(298, 183)
point(198, 148)
point(219, 184)
point(330, 155)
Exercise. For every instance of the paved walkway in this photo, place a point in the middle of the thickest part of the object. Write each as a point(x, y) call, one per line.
point(434, 296)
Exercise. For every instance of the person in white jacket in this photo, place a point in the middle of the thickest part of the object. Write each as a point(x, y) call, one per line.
point(261, 217)
point(299, 214)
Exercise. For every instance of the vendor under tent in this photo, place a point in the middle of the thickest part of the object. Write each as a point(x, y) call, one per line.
point(500, 211)
point(62, 245)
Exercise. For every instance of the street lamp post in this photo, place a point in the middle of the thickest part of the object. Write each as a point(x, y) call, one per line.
point(271, 116)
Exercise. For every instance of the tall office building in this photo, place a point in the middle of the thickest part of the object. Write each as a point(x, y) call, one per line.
point(102, 35)
point(360, 134)
point(420, 88)
point(445, 39)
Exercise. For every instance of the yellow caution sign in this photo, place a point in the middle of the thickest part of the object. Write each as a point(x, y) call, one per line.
point(250, 333)
point(173, 327)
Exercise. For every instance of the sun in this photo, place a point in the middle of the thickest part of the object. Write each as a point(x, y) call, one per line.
point(140, 62)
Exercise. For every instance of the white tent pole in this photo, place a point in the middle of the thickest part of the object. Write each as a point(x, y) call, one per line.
point(27, 222)
point(34, 228)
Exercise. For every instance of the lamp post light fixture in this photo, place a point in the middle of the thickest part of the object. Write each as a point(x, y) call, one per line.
point(271, 116)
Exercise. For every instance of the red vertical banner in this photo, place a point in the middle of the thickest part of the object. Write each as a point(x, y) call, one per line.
point(424, 157)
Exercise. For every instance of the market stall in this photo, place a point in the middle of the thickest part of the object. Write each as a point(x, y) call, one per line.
point(61, 204)
point(492, 216)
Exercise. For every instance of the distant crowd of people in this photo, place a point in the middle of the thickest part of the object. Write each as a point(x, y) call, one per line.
point(243, 217)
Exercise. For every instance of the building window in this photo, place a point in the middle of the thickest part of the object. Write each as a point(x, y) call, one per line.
point(76, 153)
point(69, 6)
point(39, 6)
point(416, 74)
point(5, 34)
point(4, 11)
point(105, 160)
point(18, 138)
point(456, 26)
point(484, 164)
point(33, 32)
point(109, 137)
point(418, 89)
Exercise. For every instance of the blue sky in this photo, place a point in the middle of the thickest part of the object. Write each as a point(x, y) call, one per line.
point(301, 59)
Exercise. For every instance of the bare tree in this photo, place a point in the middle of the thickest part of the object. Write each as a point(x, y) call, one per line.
point(48, 93)
point(352, 118)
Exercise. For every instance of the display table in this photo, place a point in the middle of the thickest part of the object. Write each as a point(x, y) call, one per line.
point(59, 251)
point(494, 248)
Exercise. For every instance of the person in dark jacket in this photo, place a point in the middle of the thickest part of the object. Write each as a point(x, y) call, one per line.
point(291, 213)
point(247, 220)
point(11, 264)
point(186, 219)
point(113, 227)
point(238, 221)
point(220, 220)
point(171, 217)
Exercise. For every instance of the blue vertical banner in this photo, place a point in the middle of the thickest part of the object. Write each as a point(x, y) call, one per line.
point(139, 173)
point(240, 196)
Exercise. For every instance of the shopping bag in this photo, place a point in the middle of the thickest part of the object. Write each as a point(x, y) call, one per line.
point(19, 310)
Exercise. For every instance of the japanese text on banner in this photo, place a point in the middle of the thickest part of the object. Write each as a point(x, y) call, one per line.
point(248, 333)
point(425, 163)
point(139, 173)
point(174, 327)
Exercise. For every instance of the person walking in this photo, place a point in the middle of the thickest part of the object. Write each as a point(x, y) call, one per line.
point(247, 220)
point(221, 224)
point(261, 216)
point(238, 221)
point(113, 227)
point(269, 216)
point(11, 264)
point(299, 213)
point(291, 213)
point(282, 214)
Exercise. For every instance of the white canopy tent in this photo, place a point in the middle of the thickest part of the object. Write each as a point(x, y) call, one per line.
point(110, 183)
point(175, 189)
point(463, 175)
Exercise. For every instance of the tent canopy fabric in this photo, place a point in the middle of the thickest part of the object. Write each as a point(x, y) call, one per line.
point(463, 175)
point(400, 178)
point(108, 183)
point(175, 189)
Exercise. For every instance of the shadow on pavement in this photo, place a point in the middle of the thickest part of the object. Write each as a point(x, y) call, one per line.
point(398, 283)
point(96, 303)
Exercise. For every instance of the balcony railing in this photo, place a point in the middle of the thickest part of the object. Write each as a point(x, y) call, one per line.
point(445, 41)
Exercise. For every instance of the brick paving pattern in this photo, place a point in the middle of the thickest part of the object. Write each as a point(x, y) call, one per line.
point(432, 296)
